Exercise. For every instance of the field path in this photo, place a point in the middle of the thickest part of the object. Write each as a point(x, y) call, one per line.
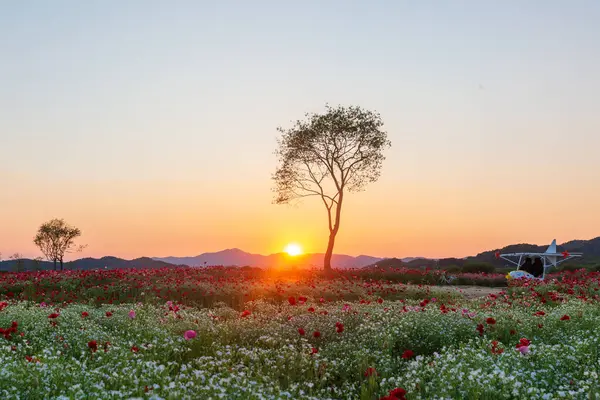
point(472, 292)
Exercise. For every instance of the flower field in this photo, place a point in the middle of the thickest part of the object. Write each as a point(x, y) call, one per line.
point(230, 334)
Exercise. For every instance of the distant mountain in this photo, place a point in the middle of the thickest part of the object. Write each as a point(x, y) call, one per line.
point(238, 257)
point(589, 248)
point(85, 263)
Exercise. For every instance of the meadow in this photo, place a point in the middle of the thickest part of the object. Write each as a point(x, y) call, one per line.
point(243, 333)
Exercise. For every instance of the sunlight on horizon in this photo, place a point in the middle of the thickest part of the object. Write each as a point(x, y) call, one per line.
point(293, 249)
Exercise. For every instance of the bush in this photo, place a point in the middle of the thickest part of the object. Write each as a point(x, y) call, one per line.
point(474, 268)
point(453, 269)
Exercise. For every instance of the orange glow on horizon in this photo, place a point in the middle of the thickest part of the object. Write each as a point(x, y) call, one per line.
point(293, 249)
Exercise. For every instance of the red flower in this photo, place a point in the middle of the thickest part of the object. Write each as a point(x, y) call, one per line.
point(317, 334)
point(565, 318)
point(93, 345)
point(245, 313)
point(490, 321)
point(108, 314)
point(292, 301)
point(397, 393)
point(523, 342)
point(301, 331)
point(495, 349)
point(339, 327)
point(480, 329)
point(311, 309)
point(314, 350)
point(380, 300)
point(134, 349)
point(53, 315)
point(370, 372)
point(408, 354)
point(84, 314)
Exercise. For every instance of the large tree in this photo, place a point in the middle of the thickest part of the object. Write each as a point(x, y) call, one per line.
point(327, 155)
point(55, 238)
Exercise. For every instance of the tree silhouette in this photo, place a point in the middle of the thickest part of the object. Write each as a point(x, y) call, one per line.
point(55, 238)
point(326, 156)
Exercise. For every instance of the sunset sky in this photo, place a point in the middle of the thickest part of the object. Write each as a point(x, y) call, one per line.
point(151, 125)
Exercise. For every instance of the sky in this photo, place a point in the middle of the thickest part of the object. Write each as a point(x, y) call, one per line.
point(152, 125)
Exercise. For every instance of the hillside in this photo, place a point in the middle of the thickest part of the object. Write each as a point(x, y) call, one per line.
point(85, 263)
point(237, 257)
point(589, 248)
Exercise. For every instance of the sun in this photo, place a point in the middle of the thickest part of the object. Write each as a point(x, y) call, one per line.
point(293, 249)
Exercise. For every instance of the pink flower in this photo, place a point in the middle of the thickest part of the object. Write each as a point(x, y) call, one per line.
point(131, 314)
point(43, 304)
point(189, 334)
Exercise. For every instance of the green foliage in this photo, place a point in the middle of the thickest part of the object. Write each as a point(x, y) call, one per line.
point(478, 267)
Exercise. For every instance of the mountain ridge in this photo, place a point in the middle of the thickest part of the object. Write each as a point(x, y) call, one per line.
point(590, 249)
point(237, 257)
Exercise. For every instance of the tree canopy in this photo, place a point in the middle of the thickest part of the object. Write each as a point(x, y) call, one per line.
point(55, 238)
point(327, 155)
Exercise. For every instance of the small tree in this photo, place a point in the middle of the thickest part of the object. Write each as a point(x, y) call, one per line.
point(55, 238)
point(19, 262)
point(328, 155)
point(37, 263)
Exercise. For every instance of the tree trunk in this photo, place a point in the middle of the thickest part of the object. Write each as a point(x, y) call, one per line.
point(61, 264)
point(333, 233)
point(329, 252)
point(55, 264)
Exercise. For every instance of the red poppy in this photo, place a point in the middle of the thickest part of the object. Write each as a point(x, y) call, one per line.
point(565, 318)
point(339, 327)
point(245, 313)
point(301, 331)
point(292, 300)
point(84, 314)
point(317, 334)
point(480, 329)
point(490, 321)
point(495, 349)
point(311, 309)
point(398, 393)
point(408, 354)
point(370, 372)
point(314, 350)
point(134, 349)
point(93, 345)
point(53, 315)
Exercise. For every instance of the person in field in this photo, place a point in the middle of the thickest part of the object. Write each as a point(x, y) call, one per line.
point(537, 269)
point(527, 266)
